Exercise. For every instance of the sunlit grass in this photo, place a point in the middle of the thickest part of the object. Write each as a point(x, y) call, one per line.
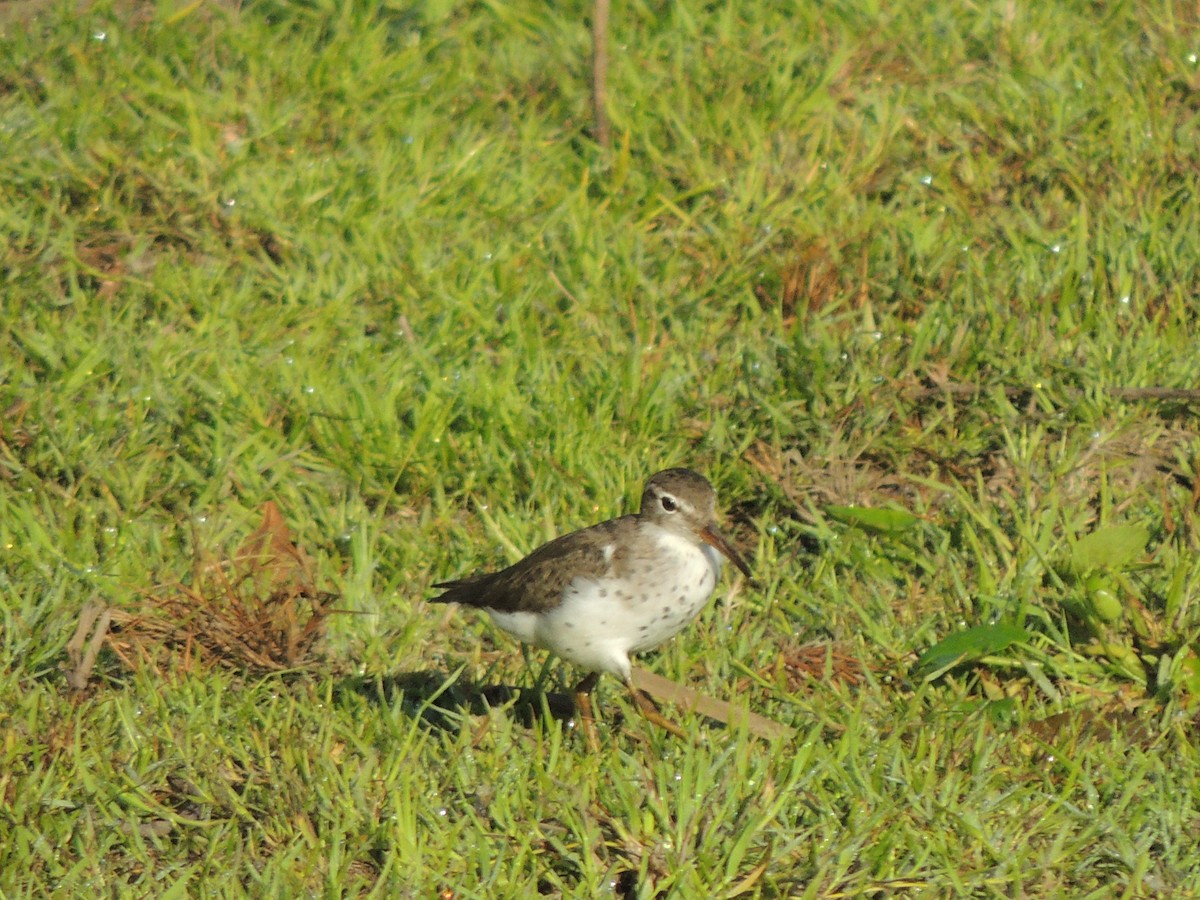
point(367, 263)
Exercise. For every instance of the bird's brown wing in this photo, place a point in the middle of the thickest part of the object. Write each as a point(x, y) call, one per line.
point(537, 582)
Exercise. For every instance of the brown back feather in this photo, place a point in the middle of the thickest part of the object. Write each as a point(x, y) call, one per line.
point(537, 582)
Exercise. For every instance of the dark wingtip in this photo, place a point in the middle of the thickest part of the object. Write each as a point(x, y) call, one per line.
point(458, 590)
point(448, 587)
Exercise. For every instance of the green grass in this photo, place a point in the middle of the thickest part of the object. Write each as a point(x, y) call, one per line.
point(366, 262)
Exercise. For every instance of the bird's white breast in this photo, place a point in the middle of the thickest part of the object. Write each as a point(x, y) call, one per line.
point(601, 620)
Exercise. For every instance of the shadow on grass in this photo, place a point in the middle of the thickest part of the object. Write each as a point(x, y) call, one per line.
point(442, 700)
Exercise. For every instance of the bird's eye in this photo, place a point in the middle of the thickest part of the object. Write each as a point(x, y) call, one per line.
point(668, 503)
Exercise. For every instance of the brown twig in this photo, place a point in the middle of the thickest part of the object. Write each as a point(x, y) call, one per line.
point(689, 699)
point(600, 71)
point(958, 389)
point(85, 644)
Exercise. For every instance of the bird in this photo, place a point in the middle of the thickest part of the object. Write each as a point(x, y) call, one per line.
point(595, 597)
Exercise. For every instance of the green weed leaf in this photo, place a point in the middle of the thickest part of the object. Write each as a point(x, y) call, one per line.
point(882, 521)
point(1111, 547)
point(964, 646)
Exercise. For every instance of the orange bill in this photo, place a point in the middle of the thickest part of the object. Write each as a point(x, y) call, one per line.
point(711, 536)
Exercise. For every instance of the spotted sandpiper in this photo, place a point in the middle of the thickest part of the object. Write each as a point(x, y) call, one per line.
point(597, 595)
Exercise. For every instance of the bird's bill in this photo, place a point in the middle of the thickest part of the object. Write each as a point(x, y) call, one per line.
point(714, 538)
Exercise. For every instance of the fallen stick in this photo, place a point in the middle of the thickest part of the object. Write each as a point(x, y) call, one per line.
point(693, 701)
point(82, 649)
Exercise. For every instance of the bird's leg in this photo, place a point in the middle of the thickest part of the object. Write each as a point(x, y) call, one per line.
point(583, 706)
point(649, 711)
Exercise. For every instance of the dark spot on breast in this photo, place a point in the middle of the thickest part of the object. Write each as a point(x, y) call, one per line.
point(644, 628)
point(666, 610)
point(603, 592)
point(681, 600)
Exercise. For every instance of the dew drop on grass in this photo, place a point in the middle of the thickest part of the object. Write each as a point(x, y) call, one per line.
point(1124, 300)
point(1056, 248)
point(927, 180)
point(99, 35)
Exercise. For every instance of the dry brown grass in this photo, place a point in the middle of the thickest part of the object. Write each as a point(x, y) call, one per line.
point(256, 611)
